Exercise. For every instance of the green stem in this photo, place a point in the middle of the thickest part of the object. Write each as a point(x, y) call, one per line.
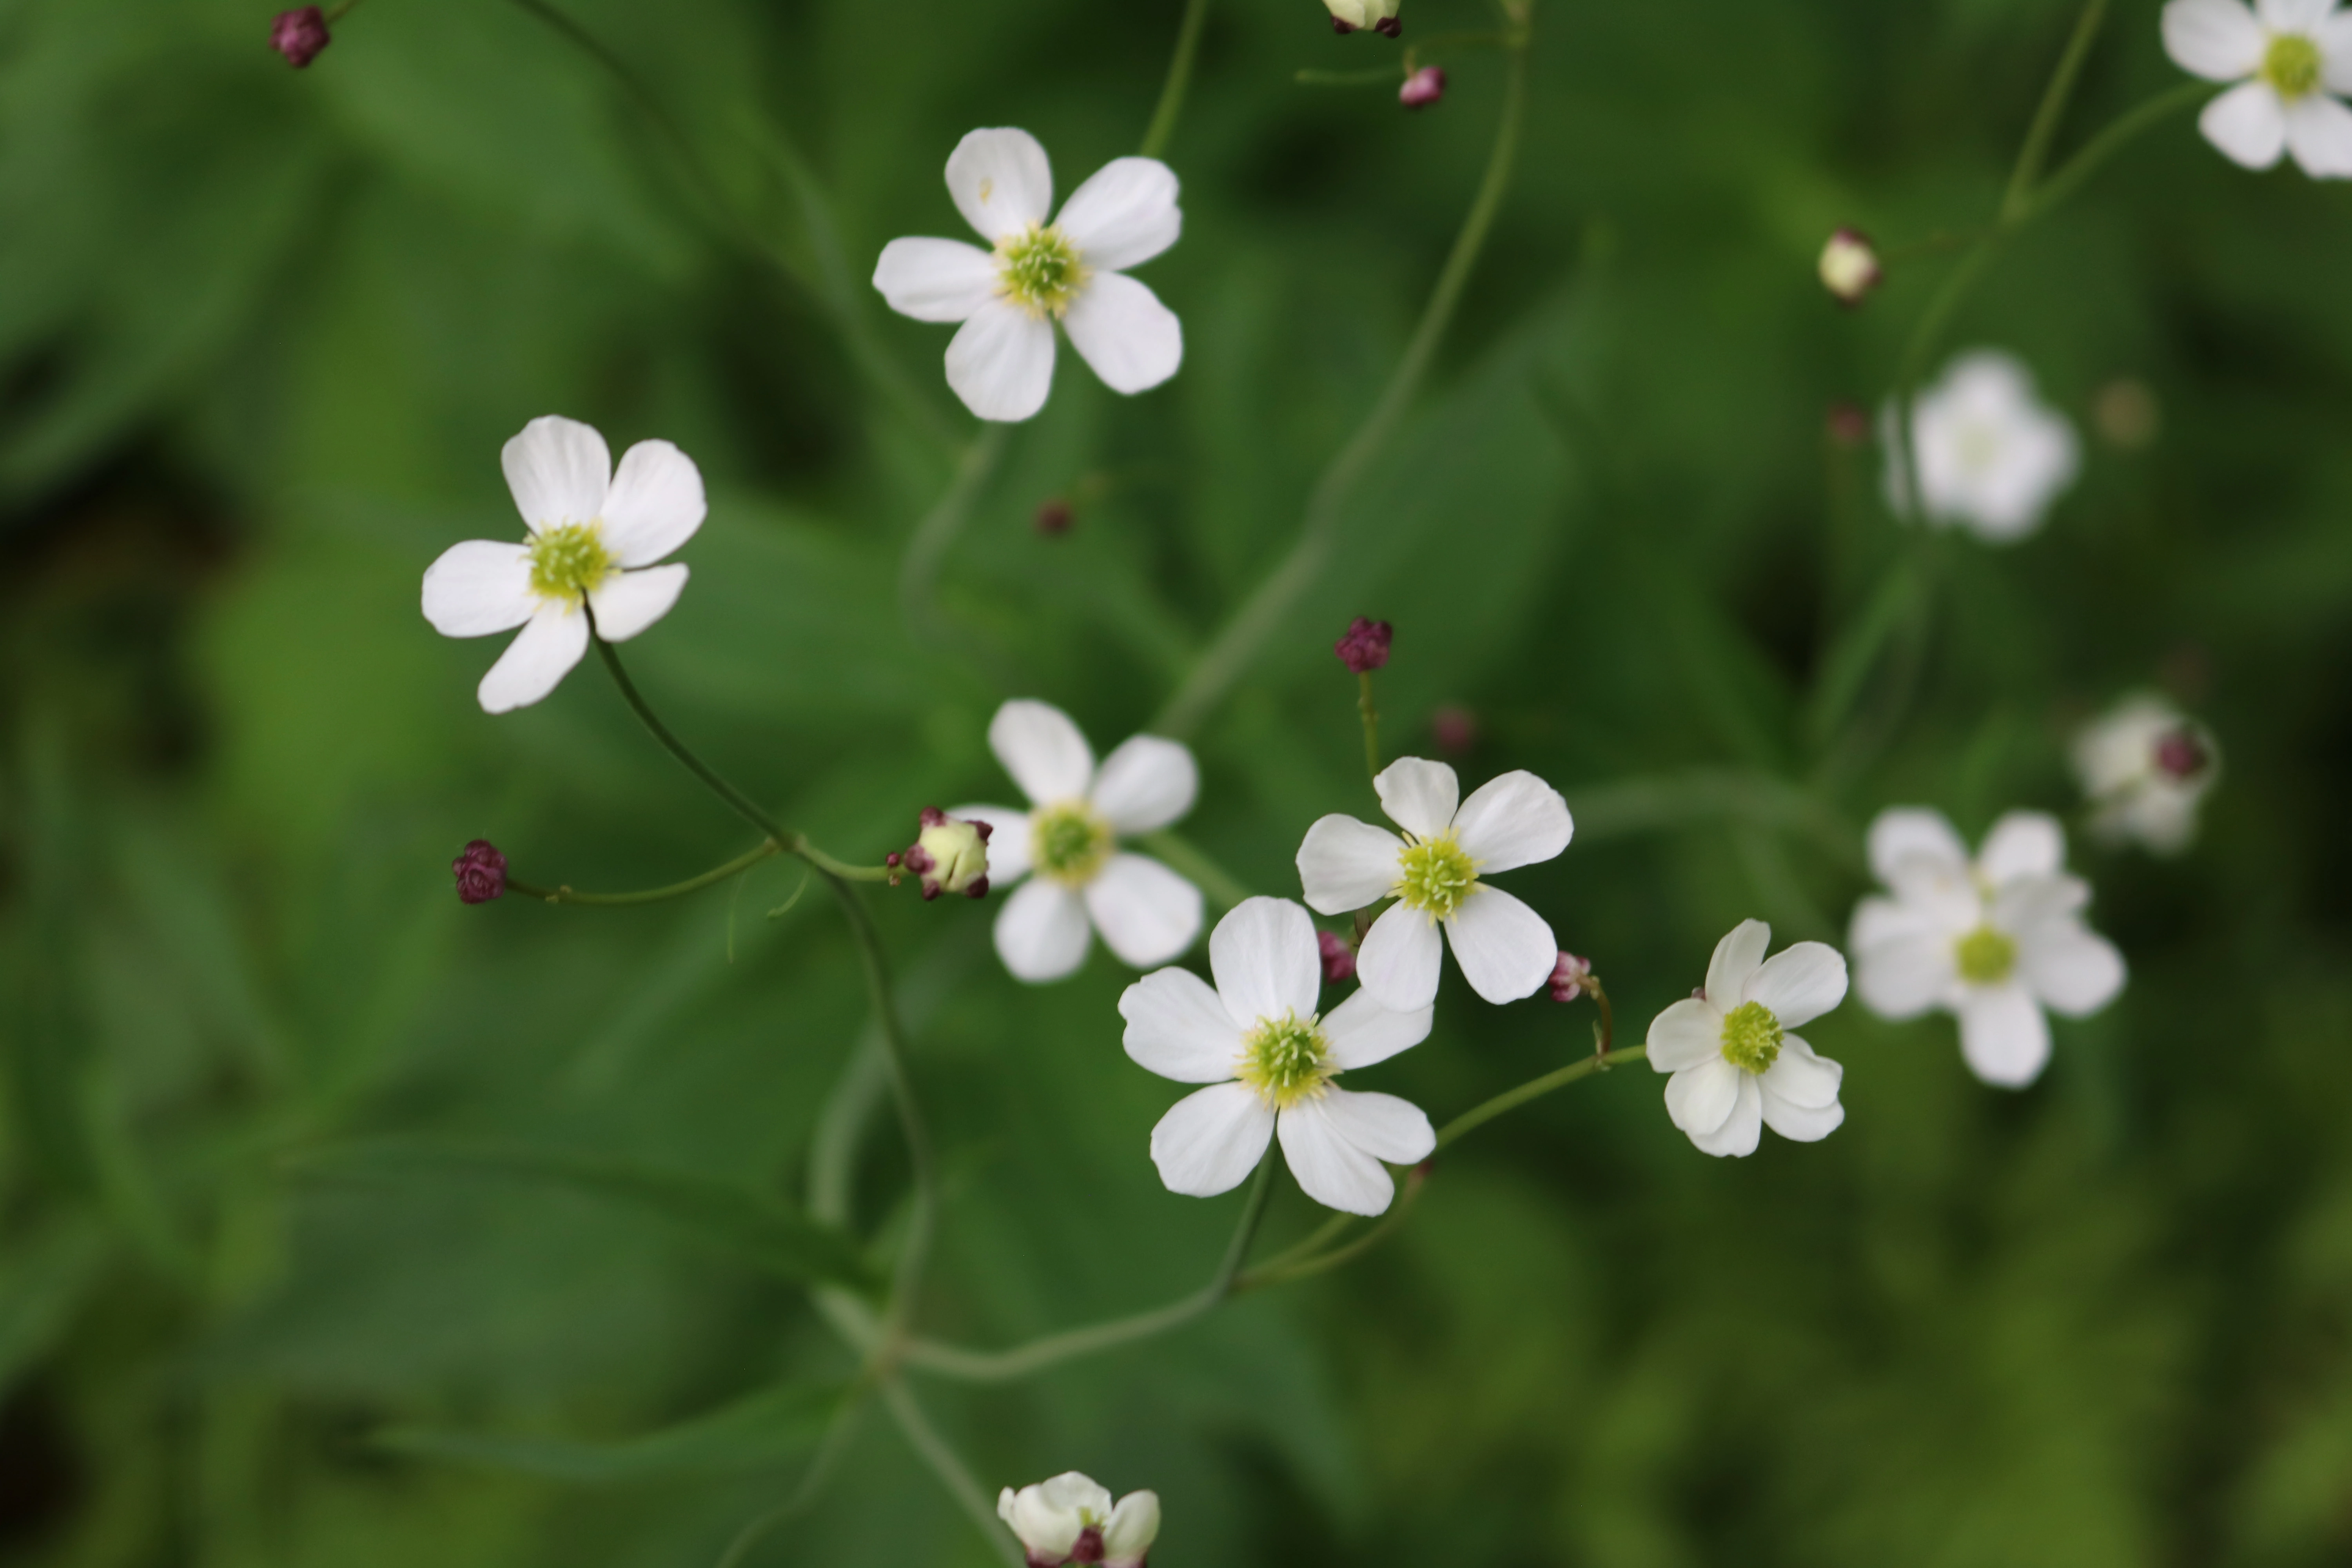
point(2126, 128)
point(2036, 151)
point(927, 550)
point(933, 1449)
point(1223, 663)
point(1380, 76)
point(566, 895)
point(1179, 77)
point(1282, 1273)
point(1536, 1089)
point(1187, 858)
point(1371, 724)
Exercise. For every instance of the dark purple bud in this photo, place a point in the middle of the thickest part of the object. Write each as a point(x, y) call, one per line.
point(1454, 729)
point(1423, 87)
point(891, 859)
point(2182, 755)
point(1339, 958)
point(481, 872)
point(1389, 27)
point(1366, 647)
point(299, 35)
point(1341, 26)
point(1848, 424)
point(1055, 516)
point(979, 890)
point(1088, 1547)
point(1568, 977)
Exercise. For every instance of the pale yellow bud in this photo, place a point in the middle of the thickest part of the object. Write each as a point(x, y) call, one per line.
point(1850, 268)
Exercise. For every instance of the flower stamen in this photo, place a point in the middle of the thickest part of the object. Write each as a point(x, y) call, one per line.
point(1069, 842)
point(1286, 1061)
point(1984, 957)
point(2293, 66)
point(1435, 875)
point(1040, 270)
point(567, 562)
point(1751, 1037)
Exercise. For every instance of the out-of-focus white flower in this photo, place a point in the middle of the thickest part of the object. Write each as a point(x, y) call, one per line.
point(595, 537)
point(2146, 766)
point(2287, 56)
point(1071, 270)
point(1070, 1518)
point(1991, 456)
point(1070, 839)
point(1736, 1068)
point(1994, 940)
point(1270, 1057)
point(1434, 873)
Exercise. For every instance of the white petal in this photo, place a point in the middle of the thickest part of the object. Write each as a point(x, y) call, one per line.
point(654, 505)
point(1041, 932)
point(1210, 1141)
point(1330, 1169)
point(628, 602)
point(1345, 863)
point(1798, 1123)
point(2073, 971)
point(1800, 984)
point(1513, 820)
point(1685, 1034)
point(1902, 977)
point(2217, 39)
point(1146, 912)
point(558, 469)
point(482, 586)
point(2248, 123)
point(1505, 950)
point(1802, 1078)
point(1177, 1028)
point(1134, 1526)
point(1001, 182)
point(1001, 362)
point(1042, 751)
point(1699, 1097)
point(2335, 44)
point(1736, 959)
point(2293, 16)
point(1742, 1130)
point(1043, 1524)
point(2319, 134)
point(2022, 844)
point(1388, 1129)
point(935, 280)
point(1399, 958)
point(1146, 784)
point(1912, 834)
point(540, 655)
point(1124, 216)
point(1120, 327)
point(2028, 905)
point(1362, 1030)
point(2003, 1035)
point(1419, 795)
point(1266, 962)
point(1008, 840)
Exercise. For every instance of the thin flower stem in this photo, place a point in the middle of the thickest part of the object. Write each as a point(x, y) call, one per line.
point(1380, 75)
point(1188, 859)
point(1180, 78)
point(2035, 153)
point(1224, 661)
point(1536, 1089)
point(2126, 128)
point(918, 571)
point(1280, 1273)
point(567, 895)
point(1371, 724)
point(837, 1432)
point(933, 1449)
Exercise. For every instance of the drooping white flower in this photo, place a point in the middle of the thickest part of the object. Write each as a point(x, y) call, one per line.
point(1435, 873)
point(1994, 940)
point(2146, 766)
point(2287, 56)
point(1991, 456)
point(1070, 839)
point(1070, 1518)
point(1736, 1068)
point(1271, 1058)
point(1071, 270)
point(595, 537)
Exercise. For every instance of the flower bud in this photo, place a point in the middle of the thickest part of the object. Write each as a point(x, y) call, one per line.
point(950, 855)
point(2183, 756)
point(1339, 958)
point(1568, 977)
point(1055, 516)
point(1071, 1520)
point(299, 35)
point(1848, 424)
point(1366, 647)
point(1423, 87)
point(1454, 729)
point(481, 872)
point(1850, 268)
point(1379, 16)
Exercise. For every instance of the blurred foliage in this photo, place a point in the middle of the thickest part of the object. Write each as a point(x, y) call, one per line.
point(262, 334)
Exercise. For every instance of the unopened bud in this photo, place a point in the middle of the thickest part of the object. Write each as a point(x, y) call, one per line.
point(1850, 268)
point(1568, 977)
point(299, 35)
point(2183, 756)
point(1379, 16)
point(951, 855)
point(1339, 958)
point(1848, 424)
point(1055, 516)
point(1423, 87)
point(1454, 729)
point(481, 872)
point(1366, 647)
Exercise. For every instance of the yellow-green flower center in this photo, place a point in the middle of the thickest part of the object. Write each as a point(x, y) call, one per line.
point(1040, 270)
point(2294, 66)
point(1751, 1037)
point(1984, 957)
point(1285, 1059)
point(1435, 875)
point(1069, 842)
point(568, 561)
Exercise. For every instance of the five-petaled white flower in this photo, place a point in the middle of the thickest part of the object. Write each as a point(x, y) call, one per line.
point(2146, 767)
point(1505, 949)
point(1259, 1040)
point(1994, 942)
point(1146, 912)
point(1991, 455)
point(1736, 1067)
point(2287, 56)
point(1070, 1518)
point(595, 537)
point(1069, 270)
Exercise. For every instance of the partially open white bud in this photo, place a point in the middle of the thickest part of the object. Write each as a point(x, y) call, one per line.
point(1070, 1518)
point(1381, 15)
point(950, 855)
point(1850, 267)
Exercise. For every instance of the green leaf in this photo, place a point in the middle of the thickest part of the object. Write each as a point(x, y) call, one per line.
point(769, 1428)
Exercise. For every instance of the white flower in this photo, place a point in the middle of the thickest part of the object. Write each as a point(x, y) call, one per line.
point(595, 537)
point(1736, 1067)
point(1070, 271)
point(1071, 1518)
point(1991, 455)
point(1259, 1040)
point(1994, 942)
point(2287, 56)
point(1505, 950)
point(1146, 912)
point(2146, 766)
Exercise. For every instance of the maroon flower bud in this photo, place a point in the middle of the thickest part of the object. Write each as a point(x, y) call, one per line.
point(1055, 516)
point(1423, 87)
point(1389, 27)
point(1454, 729)
point(2182, 755)
point(1342, 27)
point(1568, 977)
point(951, 855)
point(481, 872)
point(1848, 424)
point(299, 35)
point(1339, 958)
point(1366, 647)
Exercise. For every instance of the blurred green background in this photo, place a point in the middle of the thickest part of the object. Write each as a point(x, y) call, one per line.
point(262, 333)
